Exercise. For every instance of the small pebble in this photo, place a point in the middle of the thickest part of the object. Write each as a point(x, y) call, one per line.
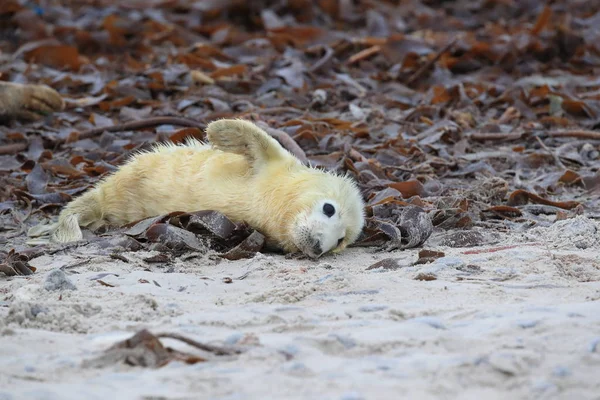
point(58, 280)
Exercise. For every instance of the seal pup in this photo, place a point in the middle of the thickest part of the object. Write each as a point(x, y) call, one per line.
point(243, 173)
point(28, 101)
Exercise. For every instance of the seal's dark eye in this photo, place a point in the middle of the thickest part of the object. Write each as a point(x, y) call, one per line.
point(328, 210)
point(340, 240)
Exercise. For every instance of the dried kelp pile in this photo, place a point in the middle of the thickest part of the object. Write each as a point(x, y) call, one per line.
point(449, 114)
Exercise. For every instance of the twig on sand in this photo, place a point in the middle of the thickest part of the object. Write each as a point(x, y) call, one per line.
point(218, 350)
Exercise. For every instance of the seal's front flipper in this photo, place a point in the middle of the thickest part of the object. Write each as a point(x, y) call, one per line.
point(245, 138)
point(28, 102)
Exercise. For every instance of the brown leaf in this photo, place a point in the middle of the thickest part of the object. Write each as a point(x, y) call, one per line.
point(247, 249)
point(521, 197)
point(46, 198)
point(388, 264)
point(138, 228)
point(63, 167)
point(542, 20)
point(428, 256)
point(408, 188)
point(383, 196)
point(174, 238)
point(158, 258)
point(295, 35)
point(570, 177)
point(16, 264)
point(181, 135)
point(229, 71)
point(110, 105)
point(501, 212)
point(402, 228)
point(422, 276)
point(577, 107)
point(57, 56)
point(212, 222)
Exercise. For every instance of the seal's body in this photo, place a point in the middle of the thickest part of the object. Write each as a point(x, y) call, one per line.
point(245, 174)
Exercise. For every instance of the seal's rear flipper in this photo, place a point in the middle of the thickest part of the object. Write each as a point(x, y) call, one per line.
point(84, 211)
point(245, 138)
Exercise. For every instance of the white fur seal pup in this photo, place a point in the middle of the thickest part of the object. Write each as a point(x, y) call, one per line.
point(246, 175)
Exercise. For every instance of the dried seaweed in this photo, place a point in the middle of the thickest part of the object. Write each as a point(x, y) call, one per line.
point(447, 115)
point(16, 264)
point(144, 349)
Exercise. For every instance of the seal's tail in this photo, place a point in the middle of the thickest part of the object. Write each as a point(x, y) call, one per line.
point(84, 211)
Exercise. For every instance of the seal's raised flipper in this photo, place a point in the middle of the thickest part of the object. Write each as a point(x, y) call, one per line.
point(245, 138)
point(28, 102)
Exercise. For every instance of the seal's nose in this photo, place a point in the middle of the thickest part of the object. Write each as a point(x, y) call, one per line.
point(317, 250)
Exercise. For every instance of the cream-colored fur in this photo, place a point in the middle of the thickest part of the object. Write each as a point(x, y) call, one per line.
point(27, 101)
point(246, 175)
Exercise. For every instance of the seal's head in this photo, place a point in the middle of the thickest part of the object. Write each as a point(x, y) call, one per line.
point(331, 216)
point(298, 208)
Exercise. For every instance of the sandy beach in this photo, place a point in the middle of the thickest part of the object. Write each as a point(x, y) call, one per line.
point(519, 319)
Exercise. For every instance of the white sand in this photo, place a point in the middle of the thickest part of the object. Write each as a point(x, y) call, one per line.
point(518, 323)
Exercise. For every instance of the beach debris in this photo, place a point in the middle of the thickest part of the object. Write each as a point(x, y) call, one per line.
point(58, 280)
point(429, 256)
point(145, 349)
point(16, 264)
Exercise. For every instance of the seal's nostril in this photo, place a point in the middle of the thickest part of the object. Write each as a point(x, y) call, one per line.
point(317, 248)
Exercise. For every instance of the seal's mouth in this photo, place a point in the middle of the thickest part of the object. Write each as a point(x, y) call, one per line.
point(312, 247)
